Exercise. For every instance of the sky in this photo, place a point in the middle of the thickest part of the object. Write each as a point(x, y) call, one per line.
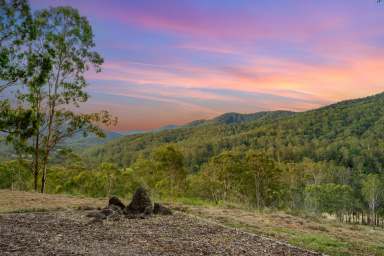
point(175, 61)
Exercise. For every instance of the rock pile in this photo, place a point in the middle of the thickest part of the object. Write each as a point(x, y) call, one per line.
point(140, 207)
point(141, 203)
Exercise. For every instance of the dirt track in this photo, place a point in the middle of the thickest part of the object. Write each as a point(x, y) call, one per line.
point(71, 233)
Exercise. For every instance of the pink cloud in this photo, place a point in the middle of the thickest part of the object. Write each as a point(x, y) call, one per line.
point(328, 82)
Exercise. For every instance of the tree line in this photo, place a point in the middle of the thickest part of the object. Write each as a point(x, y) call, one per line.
point(248, 178)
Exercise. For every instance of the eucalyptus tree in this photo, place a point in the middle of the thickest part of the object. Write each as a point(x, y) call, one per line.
point(263, 178)
point(373, 192)
point(169, 164)
point(66, 38)
point(49, 51)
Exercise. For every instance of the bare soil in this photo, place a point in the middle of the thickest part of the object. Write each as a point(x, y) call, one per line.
point(21, 201)
point(72, 233)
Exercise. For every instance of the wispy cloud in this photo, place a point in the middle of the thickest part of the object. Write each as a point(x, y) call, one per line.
point(173, 61)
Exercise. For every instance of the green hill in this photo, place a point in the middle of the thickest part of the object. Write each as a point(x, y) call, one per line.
point(349, 133)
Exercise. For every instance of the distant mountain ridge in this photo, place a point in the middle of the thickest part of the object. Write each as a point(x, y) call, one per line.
point(236, 118)
point(80, 142)
point(349, 133)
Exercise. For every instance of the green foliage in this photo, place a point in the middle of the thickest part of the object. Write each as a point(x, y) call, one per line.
point(18, 124)
point(263, 178)
point(220, 179)
point(347, 134)
point(373, 192)
point(330, 198)
point(169, 164)
point(16, 29)
point(231, 176)
point(101, 182)
point(15, 175)
point(163, 171)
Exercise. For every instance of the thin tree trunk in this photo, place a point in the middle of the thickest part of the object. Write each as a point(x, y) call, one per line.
point(43, 179)
point(36, 155)
point(36, 163)
point(52, 109)
point(35, 178)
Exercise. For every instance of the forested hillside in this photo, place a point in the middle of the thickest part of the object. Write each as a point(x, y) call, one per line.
point(348, 134)
point(199, 140)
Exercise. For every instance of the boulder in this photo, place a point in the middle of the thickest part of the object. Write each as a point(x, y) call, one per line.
point(116, 202)
point(140, 207)
point(161, 209)
point(140, 204)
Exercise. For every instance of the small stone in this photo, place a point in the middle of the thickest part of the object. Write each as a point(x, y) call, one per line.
point(107, 212)
point(100, 216)
point(160, 209)
point(116, 209)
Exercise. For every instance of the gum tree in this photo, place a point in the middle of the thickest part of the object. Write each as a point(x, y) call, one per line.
point(50, 58)
point(66, 39)
point(373, 192)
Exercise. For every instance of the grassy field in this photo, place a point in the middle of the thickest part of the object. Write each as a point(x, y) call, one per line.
point(318, 234)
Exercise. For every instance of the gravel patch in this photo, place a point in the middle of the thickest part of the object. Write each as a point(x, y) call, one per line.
point(72, 233)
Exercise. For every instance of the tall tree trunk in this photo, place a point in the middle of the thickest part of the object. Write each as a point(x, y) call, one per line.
point(52, 100)
point(35, 178)
point(36, 163)
point(36, 155)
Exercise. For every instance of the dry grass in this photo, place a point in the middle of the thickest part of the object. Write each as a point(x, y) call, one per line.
point(318, 234)
point(19, 201)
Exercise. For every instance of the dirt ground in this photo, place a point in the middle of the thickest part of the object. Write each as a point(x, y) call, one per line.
point(72, 233)
point(20, 201)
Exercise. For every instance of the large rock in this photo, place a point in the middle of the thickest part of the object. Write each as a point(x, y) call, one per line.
point(140, 207)
point(140, 204)
point(115, 201)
